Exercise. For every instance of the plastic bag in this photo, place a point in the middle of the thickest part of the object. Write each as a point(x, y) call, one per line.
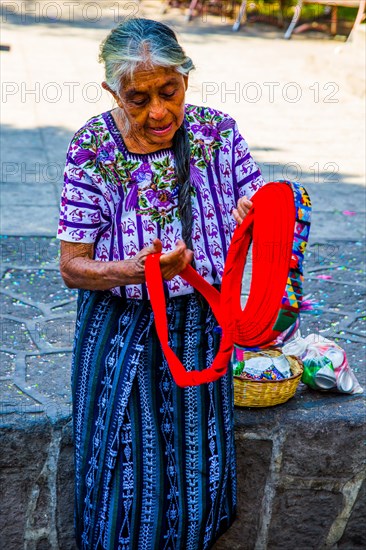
point(325, 364)
point(262, 365)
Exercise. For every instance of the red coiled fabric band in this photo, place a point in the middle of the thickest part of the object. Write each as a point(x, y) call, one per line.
point(270, 227)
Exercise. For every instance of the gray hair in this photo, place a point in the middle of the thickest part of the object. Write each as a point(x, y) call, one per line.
point(139, 41)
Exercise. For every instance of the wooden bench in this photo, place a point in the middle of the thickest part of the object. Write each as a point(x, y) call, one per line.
point(334, 5)
point(241, 18)
point(221, 7)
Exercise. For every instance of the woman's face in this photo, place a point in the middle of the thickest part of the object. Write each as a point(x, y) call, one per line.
point(153, 103)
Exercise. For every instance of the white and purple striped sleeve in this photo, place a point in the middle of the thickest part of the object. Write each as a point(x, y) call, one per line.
point(82, 205)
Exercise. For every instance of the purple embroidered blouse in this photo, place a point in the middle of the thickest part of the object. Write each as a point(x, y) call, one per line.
point(121, 201)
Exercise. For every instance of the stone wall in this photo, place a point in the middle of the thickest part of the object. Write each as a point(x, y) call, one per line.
point(300, 480)
point(300, 487)
point(36, 480)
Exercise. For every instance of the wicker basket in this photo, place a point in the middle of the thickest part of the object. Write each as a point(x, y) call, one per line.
point(265, 393)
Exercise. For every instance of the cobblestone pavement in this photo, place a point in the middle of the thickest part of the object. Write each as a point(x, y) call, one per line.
point(37, 321)
point(37, 328)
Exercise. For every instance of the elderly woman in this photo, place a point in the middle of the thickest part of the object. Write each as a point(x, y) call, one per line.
point(155, 463)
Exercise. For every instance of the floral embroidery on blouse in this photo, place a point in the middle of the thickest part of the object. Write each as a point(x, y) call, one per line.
point(208, 133)
point(158, 194)
point(121, 201)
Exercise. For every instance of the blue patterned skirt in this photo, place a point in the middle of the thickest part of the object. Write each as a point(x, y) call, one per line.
point(155, 463)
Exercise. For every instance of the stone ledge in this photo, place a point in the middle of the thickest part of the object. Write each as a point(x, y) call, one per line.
point(301, 482)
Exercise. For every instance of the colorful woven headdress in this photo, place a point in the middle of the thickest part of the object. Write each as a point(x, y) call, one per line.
point(278, 227)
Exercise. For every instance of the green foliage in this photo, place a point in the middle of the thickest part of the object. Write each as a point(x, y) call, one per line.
point(308, 12)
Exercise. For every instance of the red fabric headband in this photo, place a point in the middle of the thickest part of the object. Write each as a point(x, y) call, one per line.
point(270, 226)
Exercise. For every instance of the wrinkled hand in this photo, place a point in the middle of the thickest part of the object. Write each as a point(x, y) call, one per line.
point(242, 209)
point(171, 263)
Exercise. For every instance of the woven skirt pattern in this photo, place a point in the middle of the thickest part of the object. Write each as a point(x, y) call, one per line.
point(155, 463)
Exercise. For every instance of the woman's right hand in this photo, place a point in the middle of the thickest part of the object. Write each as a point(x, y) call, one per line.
point(79, 270)
point(171, 263)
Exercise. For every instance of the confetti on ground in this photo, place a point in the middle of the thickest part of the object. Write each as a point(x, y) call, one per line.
point(39, 316)
point(324, 277)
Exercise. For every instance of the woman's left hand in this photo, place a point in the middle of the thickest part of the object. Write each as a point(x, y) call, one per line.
point(172, 263)
point(242, 209)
